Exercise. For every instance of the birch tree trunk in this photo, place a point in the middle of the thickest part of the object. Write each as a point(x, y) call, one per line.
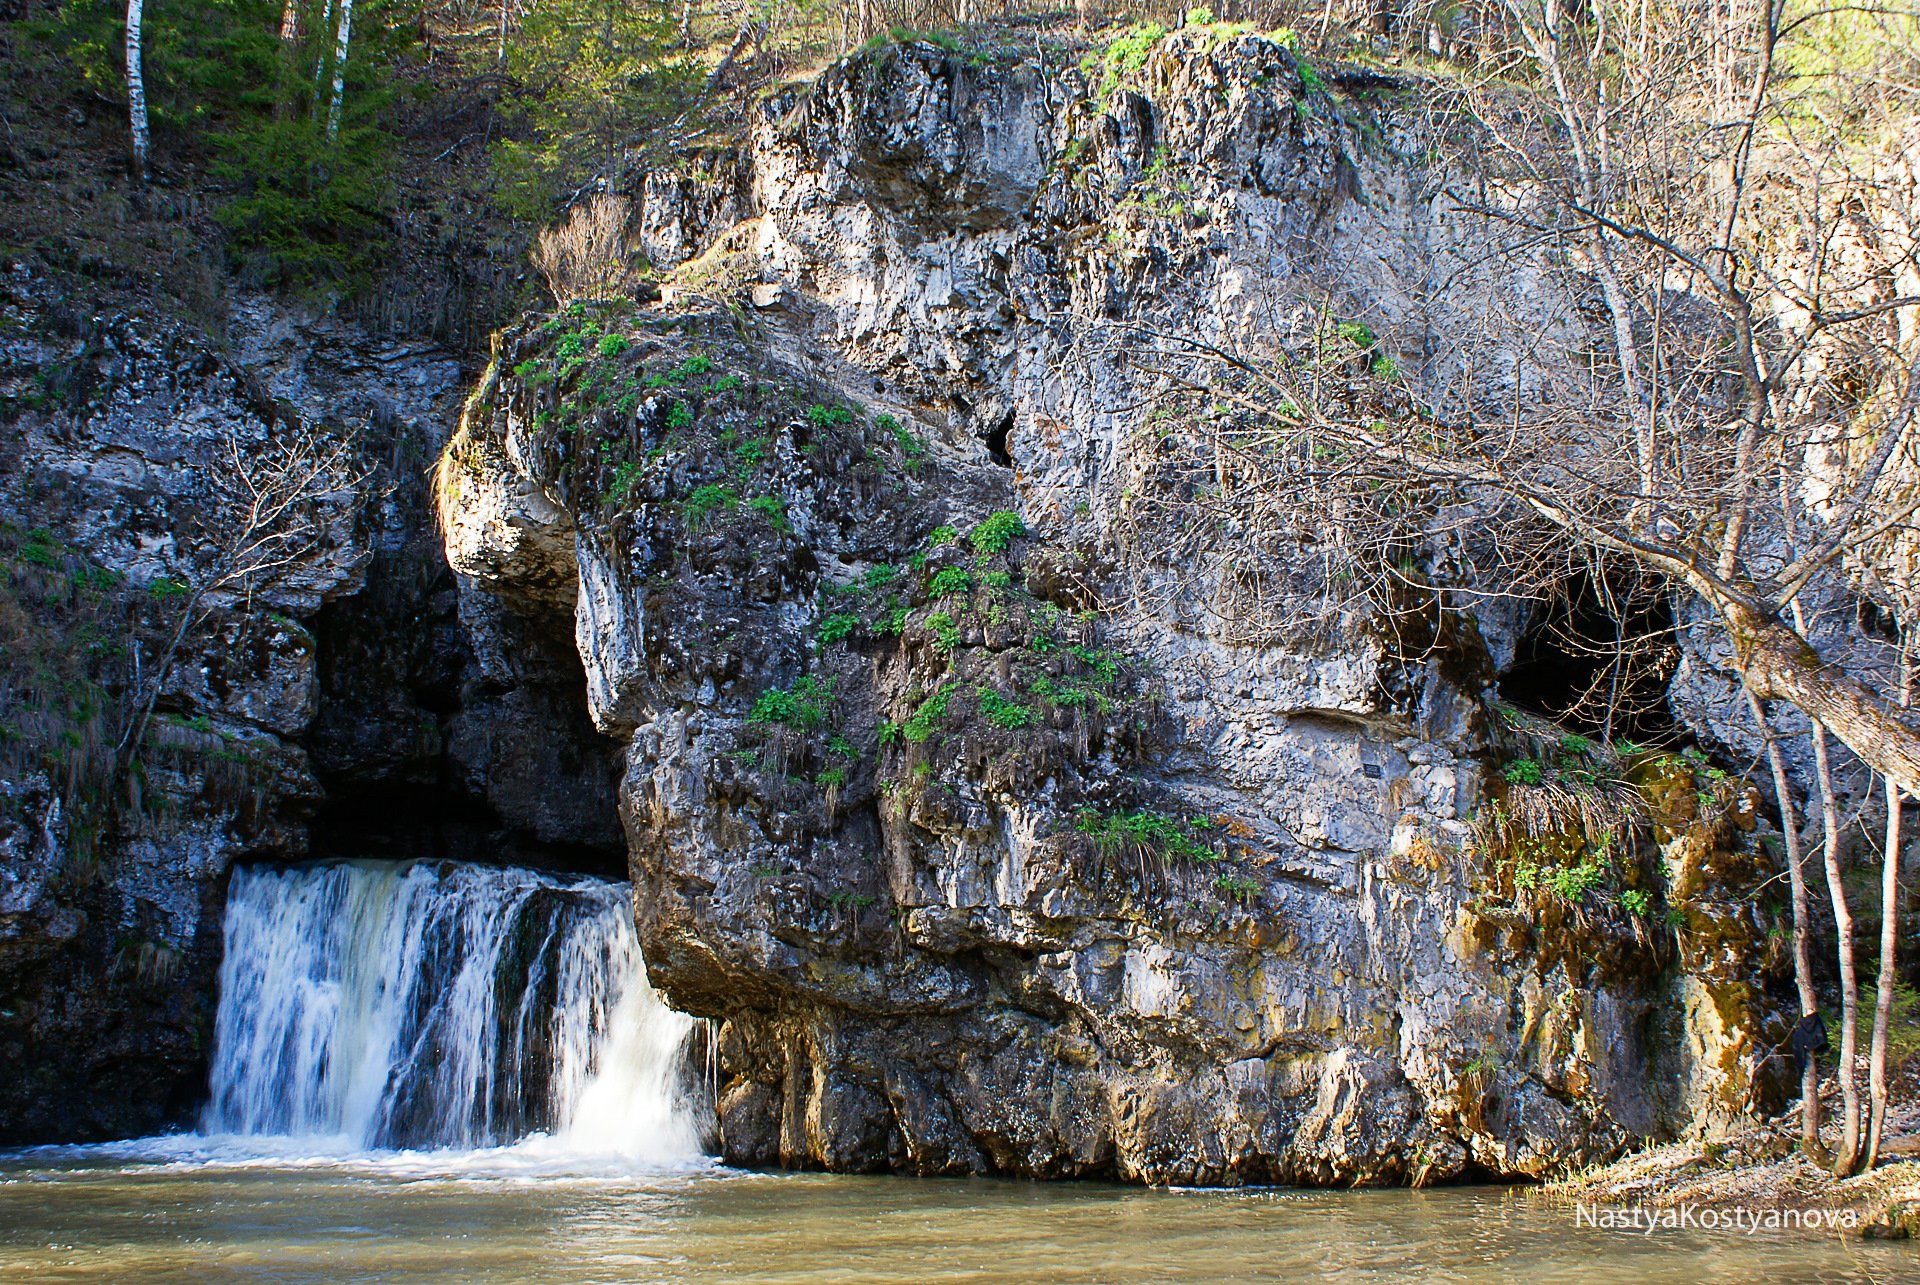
point(1848, 1155)
point(136, 90)
point(1802, 954)
point(1889, 943)
point(340, 70)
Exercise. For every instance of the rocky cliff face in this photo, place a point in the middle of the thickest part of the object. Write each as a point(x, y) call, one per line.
point(338, 709)
point(996, 839)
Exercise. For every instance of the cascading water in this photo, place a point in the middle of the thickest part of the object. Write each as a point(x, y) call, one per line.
point(437, 1005)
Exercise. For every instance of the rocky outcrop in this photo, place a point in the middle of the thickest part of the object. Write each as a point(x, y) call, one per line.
point(996, 840)
point(330, 705)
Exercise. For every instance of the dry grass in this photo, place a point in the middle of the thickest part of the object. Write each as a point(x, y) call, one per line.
point(1760, 1168)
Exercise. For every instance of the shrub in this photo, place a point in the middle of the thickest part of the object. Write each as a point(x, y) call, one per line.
point(681, 416)
point(586, 257)
point(942, 535)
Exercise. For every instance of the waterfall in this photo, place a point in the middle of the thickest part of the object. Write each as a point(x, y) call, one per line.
point(439, 1005)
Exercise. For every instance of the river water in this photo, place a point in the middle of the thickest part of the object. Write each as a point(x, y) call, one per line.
point(137, 1216)
point(440, 1073)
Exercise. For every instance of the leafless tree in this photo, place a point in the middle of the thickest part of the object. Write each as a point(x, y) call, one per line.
point(1697, 352)
point(271, 506)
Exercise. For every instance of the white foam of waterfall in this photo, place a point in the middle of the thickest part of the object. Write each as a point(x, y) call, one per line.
point(439, 1005)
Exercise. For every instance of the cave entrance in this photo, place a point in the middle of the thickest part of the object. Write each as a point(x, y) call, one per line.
point(1599, 653)
point(392, 821)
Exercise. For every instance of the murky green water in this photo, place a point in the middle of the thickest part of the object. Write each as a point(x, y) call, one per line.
point(155, 1215)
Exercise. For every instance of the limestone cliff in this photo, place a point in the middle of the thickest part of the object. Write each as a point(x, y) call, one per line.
point(995, 841)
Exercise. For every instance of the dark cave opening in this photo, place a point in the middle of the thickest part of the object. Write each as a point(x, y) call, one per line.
point(392, 821)
point(999, 441)
point(1598, 654)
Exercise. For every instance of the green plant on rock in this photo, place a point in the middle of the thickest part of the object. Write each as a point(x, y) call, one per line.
point(825, 417)
point(1238, 887)
point(1002, 712)
point(1170, 838)
point(625, 474)
point(949, 580)
point(838, 627)
point(773, 509)
point(705, 501)
point(926, 717)
point(912, 450)
point(805, 706)
point(946, 633)
point(1523, 772)
point(996, 532)
point(1124, 55)
point(692, 368)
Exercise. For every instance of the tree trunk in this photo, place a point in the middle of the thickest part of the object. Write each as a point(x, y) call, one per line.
point(1802, 953)
point(1889, 942)
point(340, 70)
point(1778, 664)
point(136, 90)
point(721, 68)
point(1848, 1158)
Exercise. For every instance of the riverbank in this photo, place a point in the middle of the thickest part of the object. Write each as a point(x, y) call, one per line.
point(1761, 1172)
